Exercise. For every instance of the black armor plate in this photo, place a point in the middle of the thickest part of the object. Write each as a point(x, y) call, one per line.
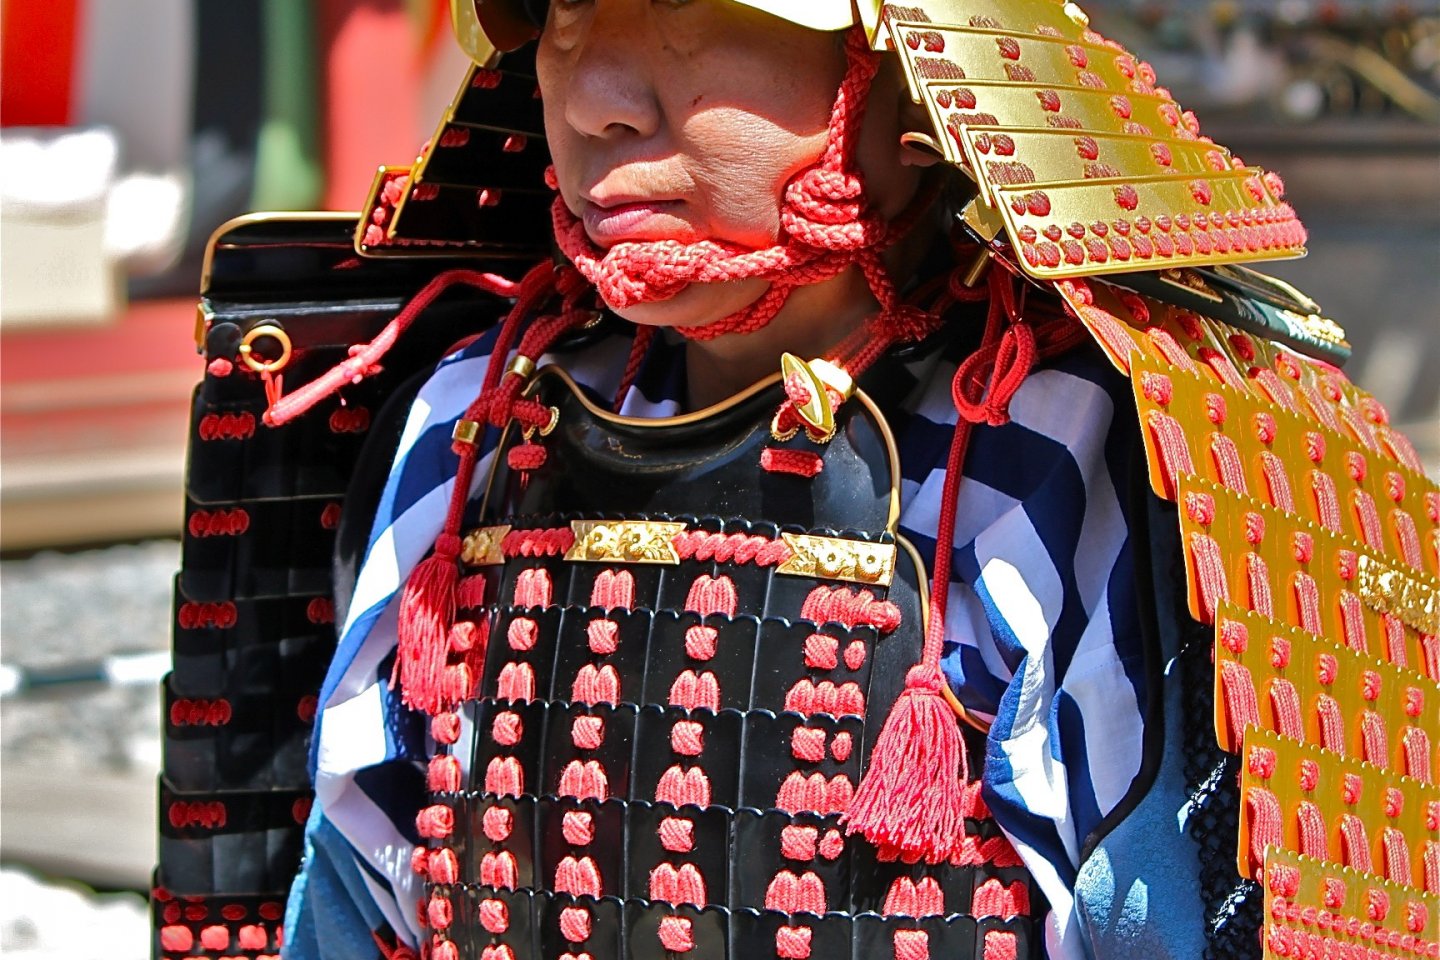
point(668, 723)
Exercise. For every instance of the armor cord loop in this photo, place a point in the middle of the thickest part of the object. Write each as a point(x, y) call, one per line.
point(364, 358)
point(428, 600)
point(826, 227)
point(910, 802)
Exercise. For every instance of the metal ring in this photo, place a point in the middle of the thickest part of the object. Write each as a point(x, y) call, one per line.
point(554, 420)
point(247, 349)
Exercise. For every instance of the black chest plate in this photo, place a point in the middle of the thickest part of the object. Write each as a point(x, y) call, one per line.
point(688, 660)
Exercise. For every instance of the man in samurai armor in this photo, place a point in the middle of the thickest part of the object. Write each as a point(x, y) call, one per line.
point(803, 480)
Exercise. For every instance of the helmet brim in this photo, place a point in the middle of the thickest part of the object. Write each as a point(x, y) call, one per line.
point(484, 27)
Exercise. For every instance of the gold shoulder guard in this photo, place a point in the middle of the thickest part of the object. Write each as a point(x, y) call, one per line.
point(1311, 546)
point(1081, 159)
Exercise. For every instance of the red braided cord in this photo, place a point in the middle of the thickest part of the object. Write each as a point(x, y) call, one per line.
point(644, 336)
point(1007, 370)
point(364, 358)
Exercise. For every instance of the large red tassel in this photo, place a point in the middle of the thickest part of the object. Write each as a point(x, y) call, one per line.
point(427, 611)
point(909, 803)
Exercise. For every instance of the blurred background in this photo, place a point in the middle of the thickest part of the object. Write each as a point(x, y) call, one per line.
point(131, 129)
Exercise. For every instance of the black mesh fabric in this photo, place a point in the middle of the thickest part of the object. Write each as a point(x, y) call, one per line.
point(1234, 907)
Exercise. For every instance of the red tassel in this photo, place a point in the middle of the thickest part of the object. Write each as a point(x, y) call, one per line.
point(427, 611)
point(909, 803)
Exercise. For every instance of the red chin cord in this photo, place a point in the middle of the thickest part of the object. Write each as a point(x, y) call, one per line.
point(826, 226)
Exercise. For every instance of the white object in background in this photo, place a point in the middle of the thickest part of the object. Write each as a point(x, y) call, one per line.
point(54, 198)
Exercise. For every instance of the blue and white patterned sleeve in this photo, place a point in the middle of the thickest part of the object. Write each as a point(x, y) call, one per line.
point(1042, 638)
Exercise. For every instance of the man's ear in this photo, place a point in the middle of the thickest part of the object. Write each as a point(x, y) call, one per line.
point(917, 146)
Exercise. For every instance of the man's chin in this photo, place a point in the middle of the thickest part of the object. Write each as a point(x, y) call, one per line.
point(697, 305)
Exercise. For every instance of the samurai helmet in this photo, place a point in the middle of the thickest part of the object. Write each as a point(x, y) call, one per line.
point(1083, 162)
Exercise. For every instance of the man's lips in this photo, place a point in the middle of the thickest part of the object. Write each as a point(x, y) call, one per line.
point(633, 220)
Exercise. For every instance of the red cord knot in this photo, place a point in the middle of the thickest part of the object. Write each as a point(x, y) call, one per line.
point(1283, 880)
point(821, 652)
point(1417, 916)
point(700, 643)
point(215, 937)
point(1157, 388)
point(435, 822)
point(925, 678)
point(989, 378)
point(499, 869)
point(504, 776)
point(1302, 547)
point(444, 774)
point(687, 738)
point(792, 943)
point(1394, 802)
point(1326, 668)
point(790, 892)
point(799, 842)
point(587, 733)
point(575, 924)
point(676, 935)
point(693, 691)
point(682, 884)
point(1279, 653)
point(578, 828)
point(443, 867)
point(252, 936)
point(677, 835)
point(832, 844)
point(1334, 890)
point(494, 916)
point(526, 457)
point(507, 728)
point(1200, 508)
point(1351, 788)
point(1234, 636)
point(1262, 762)
point(807, 745)
point(680, 787)
point(1265, 427)
point(1000, 945)
point(445, 728)
point(440, 913)
point(420, 860)
point(603, 636)
point(915, 945)
point(855, 653)
point(584, 780)
point(578, 876)
point(1377, 904)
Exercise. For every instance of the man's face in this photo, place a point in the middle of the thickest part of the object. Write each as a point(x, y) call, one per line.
point(682, 120)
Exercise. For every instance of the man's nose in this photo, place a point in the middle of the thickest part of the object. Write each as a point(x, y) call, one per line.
point(611, 90)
